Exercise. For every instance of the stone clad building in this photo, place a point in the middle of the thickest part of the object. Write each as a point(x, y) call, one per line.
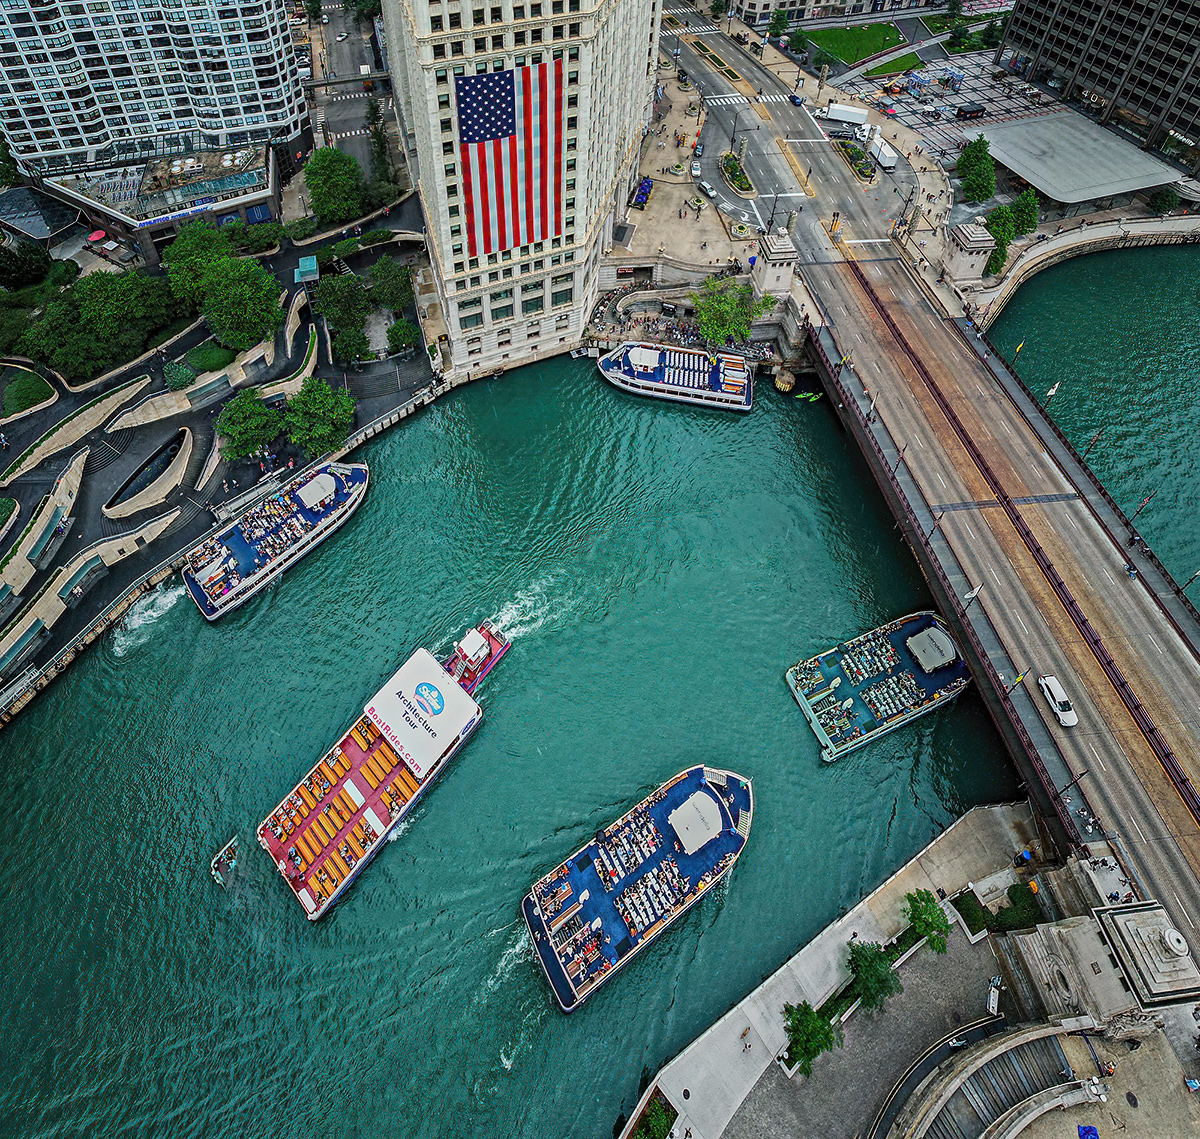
point(562, 92)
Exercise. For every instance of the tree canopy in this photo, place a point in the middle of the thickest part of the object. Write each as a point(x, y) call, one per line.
point(1001, 226)
point(335, 185)
point(344, 301)
point(239, 298)
point(779, 23)
point(27, 264)
point(1026, 210)
point(725, 310)
point(874, 977)
point(246, 424)
point(977, 169)
point(391, 284)
point(928, 919)
point(403, 334)
point(9, 174)
point(352, 344)
point(318, 418)
point(809, 1034)
point(1163, 200)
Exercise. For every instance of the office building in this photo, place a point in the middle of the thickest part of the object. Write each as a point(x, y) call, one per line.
point(523, 124)
point(145, 112)
point(1133, 66)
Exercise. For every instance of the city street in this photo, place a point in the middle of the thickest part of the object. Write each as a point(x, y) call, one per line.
point(339, 110)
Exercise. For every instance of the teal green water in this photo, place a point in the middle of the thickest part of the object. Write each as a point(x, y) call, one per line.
point(1120, 333)
point(658, 569)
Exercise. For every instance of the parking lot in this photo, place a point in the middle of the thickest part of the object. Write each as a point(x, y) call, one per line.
point(1005, 99)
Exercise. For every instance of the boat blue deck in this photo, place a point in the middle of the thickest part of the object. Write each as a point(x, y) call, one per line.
point(689, 370)
point(878, 675)
point(610, 921)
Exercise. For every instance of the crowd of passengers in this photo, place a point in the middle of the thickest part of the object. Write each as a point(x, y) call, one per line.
point(272, 526)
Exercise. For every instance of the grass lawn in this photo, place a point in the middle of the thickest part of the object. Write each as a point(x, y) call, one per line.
point(852, 44)
point(22, 390)
point(209, 357)
point(7, 506)
point(897, 66)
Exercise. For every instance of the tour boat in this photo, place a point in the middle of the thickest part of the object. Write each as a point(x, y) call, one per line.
point(858, 691)
point(596, 911)
point(335, 820)
point(226, 570)
point(225, 861)
point(723, 379)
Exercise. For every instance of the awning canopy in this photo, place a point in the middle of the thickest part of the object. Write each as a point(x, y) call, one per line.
point(933, 648)
point(1069, 158)
point(696, 821)
point(644, 358)
point(421, 711)
point(317, 490)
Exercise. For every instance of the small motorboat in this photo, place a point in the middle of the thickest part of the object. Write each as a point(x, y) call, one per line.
point(225, 861)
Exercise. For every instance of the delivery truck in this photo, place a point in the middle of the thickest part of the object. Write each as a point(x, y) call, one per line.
point(883, 154)
point(841, 113)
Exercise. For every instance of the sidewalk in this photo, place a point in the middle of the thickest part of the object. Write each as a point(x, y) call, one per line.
point(709, 1080)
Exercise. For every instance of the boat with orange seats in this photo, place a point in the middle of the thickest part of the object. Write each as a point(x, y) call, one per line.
point(334, 821)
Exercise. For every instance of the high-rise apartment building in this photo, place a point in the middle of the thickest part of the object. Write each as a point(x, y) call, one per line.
point(1135, 64)
point(92, 92)
point(523, 123)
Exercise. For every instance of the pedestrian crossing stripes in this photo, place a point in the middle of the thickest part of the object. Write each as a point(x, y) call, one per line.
point(346, 134)
point(731, 100)
point(702, 29)
point(355, 95)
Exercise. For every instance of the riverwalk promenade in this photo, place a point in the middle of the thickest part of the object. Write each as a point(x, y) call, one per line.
point(709, 1080)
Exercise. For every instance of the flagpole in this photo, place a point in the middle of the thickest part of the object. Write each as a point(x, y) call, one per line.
point(1189, 581)
point(936, 524)
point(1009, 689)
point(970, 597)
point(1051, 394)
point(1145, 503)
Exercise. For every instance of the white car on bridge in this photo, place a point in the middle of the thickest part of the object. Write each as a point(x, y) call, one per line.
point(1056, 697)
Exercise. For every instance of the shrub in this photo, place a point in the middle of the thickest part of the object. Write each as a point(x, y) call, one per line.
point(209, 357)
point(7, 506)
point(301, 228)
point(1022, 911)
point(972, 912)
point(178, 375)
point(656, 1120)
point(376, 236)
point(258, 238)
point(1163, 200)
point(324, 257)
point(403, 334)
point(346, 248)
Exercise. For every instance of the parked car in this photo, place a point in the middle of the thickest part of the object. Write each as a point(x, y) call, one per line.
point(343, 36)
point(695, 169)
point(709, 189)
point(799, 100)
point(699, 151)
point(1056, 697)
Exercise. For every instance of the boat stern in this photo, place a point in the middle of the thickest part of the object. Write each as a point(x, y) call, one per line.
point(565, 996)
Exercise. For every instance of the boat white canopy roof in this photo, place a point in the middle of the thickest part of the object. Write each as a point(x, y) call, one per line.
point(696, 821)
point(933, 648)
point(421, 711)
point(646, 358)
point(320, 488)
point(474, 646)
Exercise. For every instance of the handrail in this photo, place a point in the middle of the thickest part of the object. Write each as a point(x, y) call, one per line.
point(1158, 744)
point(1022, 733)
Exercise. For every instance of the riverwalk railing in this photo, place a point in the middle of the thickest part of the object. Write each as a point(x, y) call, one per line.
point(18, 693)
point(827, 353)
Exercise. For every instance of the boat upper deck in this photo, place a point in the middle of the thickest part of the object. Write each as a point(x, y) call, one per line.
point(269, 530)
point(861, 686)
point(636, 876)
point(724, 377)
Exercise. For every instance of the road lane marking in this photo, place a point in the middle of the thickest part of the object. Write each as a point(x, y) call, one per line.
point(941, 480)
point(969, 530)
point(1098, 759)
point(1020, 622)
point(1137, 828)
point(992, 571)
point(917, 440)
point(1155, 644)
point(1182, 910)
point(1109, 576)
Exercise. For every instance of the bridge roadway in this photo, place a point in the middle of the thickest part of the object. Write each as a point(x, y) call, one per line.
point(902, 351)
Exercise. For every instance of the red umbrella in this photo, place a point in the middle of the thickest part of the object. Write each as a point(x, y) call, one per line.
point(98, 235)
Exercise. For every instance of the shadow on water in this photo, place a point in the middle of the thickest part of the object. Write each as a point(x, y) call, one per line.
point(659, 570)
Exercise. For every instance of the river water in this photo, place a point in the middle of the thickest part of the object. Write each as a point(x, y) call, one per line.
point(1119, 332)
point(658, 568)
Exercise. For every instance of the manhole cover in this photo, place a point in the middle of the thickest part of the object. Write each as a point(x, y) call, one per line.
point(1131, 1098)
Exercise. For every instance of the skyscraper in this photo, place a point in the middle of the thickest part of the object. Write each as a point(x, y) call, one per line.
point(108, 84)
point(1135, 66)
point(523, 124)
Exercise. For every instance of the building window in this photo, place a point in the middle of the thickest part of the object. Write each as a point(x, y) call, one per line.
point(572, 78)
point(455, 19)
point(533, 286)
point(559, 31)
point(435, 23)
point(441, 76)
point(459, 267)
point(497, 15)
point(449, 169)
point(452, 190)
point(562, 296)
point(447, 148)
point(519, 12)
point(472, 321)
point(439, 51)
point(444, 101)
point(573, 30)
point(474, 302)
point(481, 43)
point(477, 17)
point(572, 100)
point(446, 126)
point(456, 48)
point(456, 231)
point(502, 312)
point(493, 277)
point(573, 54)
point(534, 304)
point(453, 211)
point(572, 122)
point(518, 39)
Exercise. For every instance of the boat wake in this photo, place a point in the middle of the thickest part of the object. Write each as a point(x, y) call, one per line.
point(527, 612)
point(515, 952)
point(400, 829)
point(138, 626)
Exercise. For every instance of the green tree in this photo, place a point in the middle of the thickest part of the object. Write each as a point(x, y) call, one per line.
point(335, 185)
point(403, 334)
point(178, 375)
point(344, 301)
point(1026, 210)
point(993, 33)
point(1001, 226)
point(717, 9)
point(778, 24)
point(312, 9)
point(980, 184)
point(246, 424)
point(317, 418)
point(975, 155)
point(928, 919)
point(824, 58)
point(874, 978)
point(391, 284)
point(350, 345)
point(9, 174)
point(346, 247)
point(27, 264)
point(809, 1034)
point(373, 116)
point(1163, 200)
point(725, 310)
point(958, 35)
point(241, 303)
point(954, 9)
point(196, 249)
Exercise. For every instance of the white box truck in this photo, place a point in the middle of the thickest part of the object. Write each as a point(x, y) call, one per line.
point(883, 154)
point(841, 113)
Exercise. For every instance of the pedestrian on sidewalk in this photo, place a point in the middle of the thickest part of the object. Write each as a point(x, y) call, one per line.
point(3, 441)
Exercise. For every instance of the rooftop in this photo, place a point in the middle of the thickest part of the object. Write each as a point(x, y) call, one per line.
point(1069, 158)
point(33, 214)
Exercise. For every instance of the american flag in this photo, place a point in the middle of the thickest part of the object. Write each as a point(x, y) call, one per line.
point(510, 133)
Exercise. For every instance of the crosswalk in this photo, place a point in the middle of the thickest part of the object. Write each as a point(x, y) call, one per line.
point(353, 95)
point(742, 101)
point(346, 134)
